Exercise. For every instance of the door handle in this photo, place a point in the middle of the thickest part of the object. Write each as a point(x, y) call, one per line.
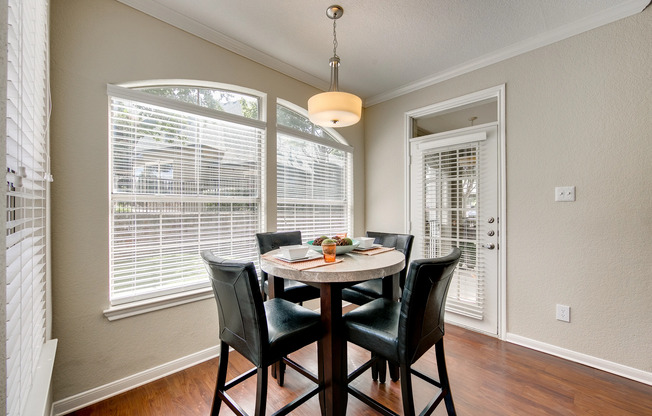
point(489, 246)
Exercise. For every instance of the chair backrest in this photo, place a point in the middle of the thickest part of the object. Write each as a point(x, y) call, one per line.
point(401, 242)
point(421, 323)
point(271, 241)
point(239, 304)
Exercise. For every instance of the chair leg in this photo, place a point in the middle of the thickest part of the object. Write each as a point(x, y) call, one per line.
point(261, 391)
point(406, 390)
point(221, 377)
point(374, 369)
point(281, 373)
point(382, 370)
point(394, 371)
point(443, 377)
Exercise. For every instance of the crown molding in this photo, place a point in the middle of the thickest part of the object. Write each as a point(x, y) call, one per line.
point(202, 31)
point(590, 22)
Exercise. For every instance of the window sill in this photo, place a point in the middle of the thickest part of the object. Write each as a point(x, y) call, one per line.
point(150, 305)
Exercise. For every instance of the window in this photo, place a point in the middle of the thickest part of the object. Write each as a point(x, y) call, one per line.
point(26, 195)
point(314, 177)
point(187, 174)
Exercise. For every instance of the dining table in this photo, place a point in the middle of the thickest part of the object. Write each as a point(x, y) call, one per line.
point(349, 269)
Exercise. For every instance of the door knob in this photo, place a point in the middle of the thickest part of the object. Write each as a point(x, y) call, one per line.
point(489, 246)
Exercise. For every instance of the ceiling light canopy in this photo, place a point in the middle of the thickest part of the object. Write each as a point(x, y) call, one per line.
point(334, 108)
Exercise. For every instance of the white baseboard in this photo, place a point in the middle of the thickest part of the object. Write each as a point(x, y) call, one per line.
point(98, 394)
point(600, 364)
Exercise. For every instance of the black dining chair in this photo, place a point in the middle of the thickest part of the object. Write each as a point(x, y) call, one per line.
point(293, 291)
point(373, 289)
point(263, 332)
point(401, 332)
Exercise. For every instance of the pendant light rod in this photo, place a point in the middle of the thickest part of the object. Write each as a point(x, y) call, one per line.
point(334, 12)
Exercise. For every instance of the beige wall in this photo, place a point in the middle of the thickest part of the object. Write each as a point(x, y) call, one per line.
point(578, 112)
point(94, 43)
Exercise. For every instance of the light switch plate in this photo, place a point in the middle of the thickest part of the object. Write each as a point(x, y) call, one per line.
point(565, 194)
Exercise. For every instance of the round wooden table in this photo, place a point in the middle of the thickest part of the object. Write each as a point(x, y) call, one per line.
point(331, 279)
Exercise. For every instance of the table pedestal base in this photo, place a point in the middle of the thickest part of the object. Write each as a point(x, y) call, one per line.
point(332, 353)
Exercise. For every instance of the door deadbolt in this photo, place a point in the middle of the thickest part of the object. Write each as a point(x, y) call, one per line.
point(491, 233)
point(491, 220)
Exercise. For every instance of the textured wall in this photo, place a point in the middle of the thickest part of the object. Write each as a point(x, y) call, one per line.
point(94, 43)
point(578, 112)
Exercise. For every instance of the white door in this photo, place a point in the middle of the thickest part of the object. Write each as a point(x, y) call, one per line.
point(455, 203)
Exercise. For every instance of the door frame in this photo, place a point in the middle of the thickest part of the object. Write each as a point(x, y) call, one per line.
point(497, 93)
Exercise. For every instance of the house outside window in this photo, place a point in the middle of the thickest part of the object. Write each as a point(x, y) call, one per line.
point(187, 166)
point(314, 176)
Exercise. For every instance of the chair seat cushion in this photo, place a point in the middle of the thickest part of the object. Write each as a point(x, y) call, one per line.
point(374, 326)
point(290, 327)
point(373, 288)
point(364, 292)
point(295, 291)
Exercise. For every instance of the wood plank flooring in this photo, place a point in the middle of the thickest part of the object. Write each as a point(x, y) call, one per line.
point(488, 377)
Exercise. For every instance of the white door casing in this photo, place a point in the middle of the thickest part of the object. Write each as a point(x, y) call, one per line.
point(455, 197)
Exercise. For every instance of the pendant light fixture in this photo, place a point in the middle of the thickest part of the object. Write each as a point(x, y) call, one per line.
point(334, 108)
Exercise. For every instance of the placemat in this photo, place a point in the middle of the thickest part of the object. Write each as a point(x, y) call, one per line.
point(302, 265)
point(373, 251)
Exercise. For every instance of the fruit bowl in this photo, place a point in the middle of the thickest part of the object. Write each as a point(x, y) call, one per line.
point(338, 249)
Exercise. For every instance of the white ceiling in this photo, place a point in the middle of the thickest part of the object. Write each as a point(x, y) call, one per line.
point(387, 48)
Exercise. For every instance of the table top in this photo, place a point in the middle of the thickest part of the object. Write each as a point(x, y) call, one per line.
point(353, 268)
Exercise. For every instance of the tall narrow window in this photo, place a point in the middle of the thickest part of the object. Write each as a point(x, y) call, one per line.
point(314, 177)
point(187, 174)
point(26, 196)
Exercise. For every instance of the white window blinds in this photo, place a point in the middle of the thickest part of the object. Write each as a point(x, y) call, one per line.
point(448, 191)
point(26, 196)
point(314, 178)
point(184, 179)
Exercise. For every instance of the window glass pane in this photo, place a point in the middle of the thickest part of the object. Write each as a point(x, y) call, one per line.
point(289, 118)
point(184, 94)
point(221, 100)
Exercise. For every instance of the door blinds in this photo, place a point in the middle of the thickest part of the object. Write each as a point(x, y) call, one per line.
point(26, 195)
point(314, 185)
point(183, 180)
point(450, 194)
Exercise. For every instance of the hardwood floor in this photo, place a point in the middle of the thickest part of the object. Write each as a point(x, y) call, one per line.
point(488, 377)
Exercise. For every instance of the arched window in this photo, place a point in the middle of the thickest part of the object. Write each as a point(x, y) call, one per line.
point(187, 169)
point(314, 176)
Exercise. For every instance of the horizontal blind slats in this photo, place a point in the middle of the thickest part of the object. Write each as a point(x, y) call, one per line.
point(448, 190)
point(314, 192)
point(182, 183)
point(26, 156)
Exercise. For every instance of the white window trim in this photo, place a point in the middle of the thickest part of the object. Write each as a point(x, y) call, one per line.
point(130, 309)
point(124, 91)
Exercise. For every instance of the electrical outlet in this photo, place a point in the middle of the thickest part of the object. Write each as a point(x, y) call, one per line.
point(565, 194)
point(563, 313)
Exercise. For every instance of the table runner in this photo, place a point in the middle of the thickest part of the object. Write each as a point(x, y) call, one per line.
point(373, 251)
point(301, 265)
